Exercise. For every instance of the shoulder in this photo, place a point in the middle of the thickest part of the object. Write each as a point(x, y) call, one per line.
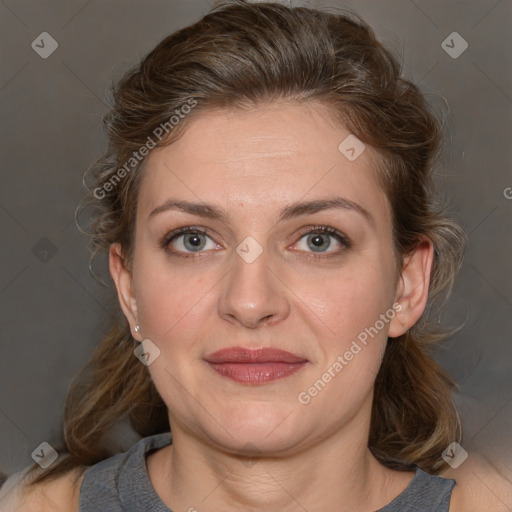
point(479, 486)
point(58, 495)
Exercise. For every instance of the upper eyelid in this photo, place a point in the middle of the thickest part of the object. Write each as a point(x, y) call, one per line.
point(175, 233)
point(341, 237)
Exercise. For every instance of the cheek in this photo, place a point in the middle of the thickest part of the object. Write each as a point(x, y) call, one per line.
point(357, 337)
point(346, 300)
point(172, 302)
point(350, 332)
point(352, 342)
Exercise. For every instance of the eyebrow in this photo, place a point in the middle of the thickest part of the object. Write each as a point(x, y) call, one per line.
point(294, 210)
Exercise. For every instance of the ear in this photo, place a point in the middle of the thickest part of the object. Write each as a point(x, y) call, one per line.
point(123, 280)
point(412, 288)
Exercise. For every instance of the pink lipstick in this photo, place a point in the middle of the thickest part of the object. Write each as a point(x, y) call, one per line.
point(255, 367)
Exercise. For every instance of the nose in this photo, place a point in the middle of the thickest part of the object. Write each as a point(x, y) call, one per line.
point(253, 294)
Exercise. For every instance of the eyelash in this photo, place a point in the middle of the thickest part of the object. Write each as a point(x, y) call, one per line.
point(191, 230)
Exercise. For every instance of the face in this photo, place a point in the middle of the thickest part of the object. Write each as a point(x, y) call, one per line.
point(255, 232)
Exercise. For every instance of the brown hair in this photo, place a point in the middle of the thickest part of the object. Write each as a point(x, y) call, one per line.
point(238, 56)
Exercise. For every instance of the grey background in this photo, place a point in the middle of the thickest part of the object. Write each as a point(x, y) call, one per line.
point(53, 312)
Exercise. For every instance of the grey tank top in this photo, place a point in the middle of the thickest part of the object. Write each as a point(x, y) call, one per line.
point(121, 484)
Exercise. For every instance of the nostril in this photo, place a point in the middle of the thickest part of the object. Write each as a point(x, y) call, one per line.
point(266, 320)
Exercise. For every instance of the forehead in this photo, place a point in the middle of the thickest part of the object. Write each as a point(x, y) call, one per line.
point(261, 159)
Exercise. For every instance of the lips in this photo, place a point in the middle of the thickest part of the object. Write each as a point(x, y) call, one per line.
point(255, 367)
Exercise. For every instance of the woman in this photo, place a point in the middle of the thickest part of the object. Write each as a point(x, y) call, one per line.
point(267, 206)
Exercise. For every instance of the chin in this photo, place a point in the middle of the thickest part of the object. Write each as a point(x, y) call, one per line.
point(263, 427)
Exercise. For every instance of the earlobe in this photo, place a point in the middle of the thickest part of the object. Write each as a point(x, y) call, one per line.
point(122, 278)
point(412, 288)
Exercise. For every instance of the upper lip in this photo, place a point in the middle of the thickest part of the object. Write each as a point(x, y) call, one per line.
point(260, 355)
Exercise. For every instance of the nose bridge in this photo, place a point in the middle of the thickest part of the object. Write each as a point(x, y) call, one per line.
point(252, 295)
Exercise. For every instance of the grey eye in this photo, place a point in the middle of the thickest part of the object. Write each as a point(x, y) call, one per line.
point(318, 242)
point(194, 241)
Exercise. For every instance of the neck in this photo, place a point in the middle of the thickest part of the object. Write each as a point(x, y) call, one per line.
point(338, 473)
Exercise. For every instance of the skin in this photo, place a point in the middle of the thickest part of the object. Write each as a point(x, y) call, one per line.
point(252, 164)
point(304, 457)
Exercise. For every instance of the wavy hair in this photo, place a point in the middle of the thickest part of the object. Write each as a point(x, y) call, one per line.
point(238, 56)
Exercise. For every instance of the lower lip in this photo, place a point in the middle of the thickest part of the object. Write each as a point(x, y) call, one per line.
point(256, 373)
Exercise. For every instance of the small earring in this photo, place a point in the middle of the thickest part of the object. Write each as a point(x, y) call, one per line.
point(136, 328)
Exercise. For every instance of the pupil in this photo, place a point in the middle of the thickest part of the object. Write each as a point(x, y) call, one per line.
point(319, 242)
point(193, 241)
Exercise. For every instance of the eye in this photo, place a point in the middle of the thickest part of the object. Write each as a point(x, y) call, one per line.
point(323, 239)
point(188, 240)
